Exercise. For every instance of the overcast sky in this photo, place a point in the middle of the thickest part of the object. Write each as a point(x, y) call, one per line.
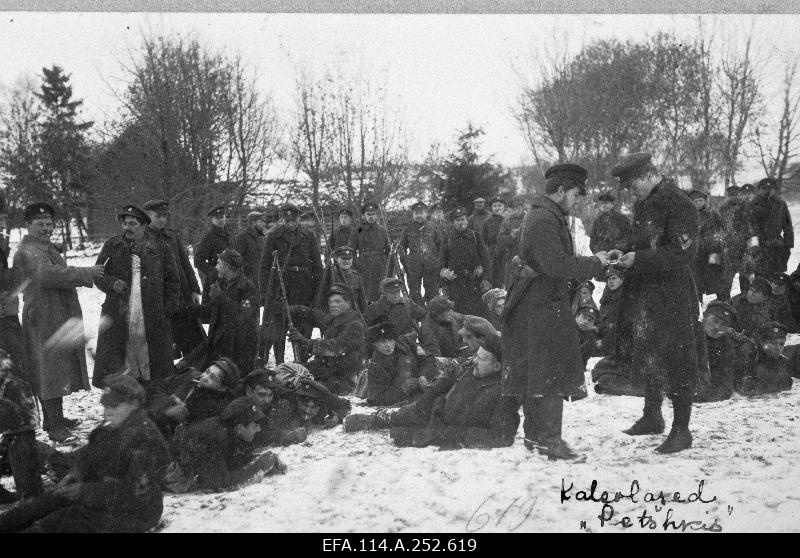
point(446, 69)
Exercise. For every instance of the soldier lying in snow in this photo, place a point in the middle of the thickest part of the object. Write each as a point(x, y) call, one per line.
point(462, 408)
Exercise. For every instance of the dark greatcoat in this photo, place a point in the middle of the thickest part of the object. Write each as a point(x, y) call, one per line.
point(334, 274)
point(371, 244)
point(298, 256)
point(339, 354)
point(752, 316)
point(383, 380)
point(722, 366)
point(50, 299)
point(463, 251)
point(477, 219)
point(233, 324)
point(441, 339)
point(214, 241)
point(419, 253)
point(404, 315)
point(775, 232)
point(340, 237)
point(120, 473)
point(490, 233)
point(657, 326)
point(541, 355)
point(711, 234)
point(250, 244)
point(508, 237)
point(611, 230)
point(160, 292)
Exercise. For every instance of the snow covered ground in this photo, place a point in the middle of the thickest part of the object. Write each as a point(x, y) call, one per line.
point(745, 457)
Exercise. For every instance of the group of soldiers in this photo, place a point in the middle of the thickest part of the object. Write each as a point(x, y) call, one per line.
point(446, 332)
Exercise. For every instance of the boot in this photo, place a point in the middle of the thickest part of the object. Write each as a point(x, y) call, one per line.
point(71, 423)
point(652, 421)
point(679, 437)
point(54, 417)
point(7, 497)
point(354, 423)
point(559, 450)
point(25, 467)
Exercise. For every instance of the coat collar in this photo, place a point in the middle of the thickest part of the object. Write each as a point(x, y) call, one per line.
point(549, 205)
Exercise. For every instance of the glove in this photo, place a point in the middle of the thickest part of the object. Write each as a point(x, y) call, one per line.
point(296, 337)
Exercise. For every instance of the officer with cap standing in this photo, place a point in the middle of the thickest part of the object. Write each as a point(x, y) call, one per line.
point(774, 226)
point(142, 289)
point(250, 245)
point(341, 271)
point(51, 301)
point(186, 331)
point(657, 331)
point(708, 263)
point(540, 342)
point(342, 234)
point(419, 254)
point(611, 229)
point(214, 241)
point(490, 232)
point(301, 266)
point(371, 243)
point(438, 221)
point(738, 229)
point(465, 266)
point(479, 215)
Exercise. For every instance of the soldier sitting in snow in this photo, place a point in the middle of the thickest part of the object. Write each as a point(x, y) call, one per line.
point(192, 395)
point(217, 453)
point(438, 333)
point(462, 408)
point(768, 370)
point(781, 307)
point(754, 308)
point(389, 375)
point(609, 308)
point(495, 300)
point(589, 337)
point(718, 323)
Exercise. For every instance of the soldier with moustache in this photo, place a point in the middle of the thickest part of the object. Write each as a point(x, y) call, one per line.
point(479, 215)
point(419, 254)
point(301, 266)
point(187, 333)
point(371, 243)
point(658, 332)
point(214, 241)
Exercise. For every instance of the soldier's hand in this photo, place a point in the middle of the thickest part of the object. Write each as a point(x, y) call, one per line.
point(98, 271)
point(448, 274)
point(627, 260)
point(330, 422)
point(424, 383)
point(215, 291)
point(614, 254)
point(485, 285)
point(478, 271)
point(197, 299)
point(296, 337)
point(120, 286)
point(178, 412)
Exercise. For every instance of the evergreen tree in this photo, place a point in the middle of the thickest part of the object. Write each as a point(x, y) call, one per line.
point(466, 177)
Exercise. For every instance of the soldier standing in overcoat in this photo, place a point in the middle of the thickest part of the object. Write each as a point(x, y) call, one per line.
point(250, 244)
point(419, 254)
point(658, 335)
point(490, 232)
point(343, 233)
point(611, 229)
point(738, 230)
point(774, 225)
point(214, 241)
point(50, 300)
point(300, 263)
point(465, 266)
point(371, 242)
point(187, 333)
point(142, 288)
point(540, 341)
point(508, 237)
point(708, 263)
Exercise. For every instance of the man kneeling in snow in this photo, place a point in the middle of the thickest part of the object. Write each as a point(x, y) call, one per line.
point(463, 408)
point(768, 369)
point(217, 454)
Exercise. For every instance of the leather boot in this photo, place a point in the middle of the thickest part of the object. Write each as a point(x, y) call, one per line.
point(559, 450)
point(24, 461)
point(679, 437)
point(54, 413)
point(652, 421)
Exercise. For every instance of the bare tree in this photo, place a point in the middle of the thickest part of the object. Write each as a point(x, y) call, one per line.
point(312, 131)
point(775, 158)
point(19, 159)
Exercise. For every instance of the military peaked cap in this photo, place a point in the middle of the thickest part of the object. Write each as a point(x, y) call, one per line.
point(339, 289)
point(695, 194)
point(631, 166)
point(769, 183)
point(290, 208)
point(479, 200)
point(120, 388)
point(606, 197)
point(419, 205)
point(390, 284)
point(573, 173)
point(345, 252)
point(312, 389)
point(371, 206)
point(588, 310)
point(346, 211)
point(385, 330)
point(771, 330)
point(218, 211)
point(262, 377)
point(723, 310)
point(436, 206)
point(458, 212)
point(38, 210)
point(156, 205)
point(780, 278)
point(254, 216)
point(242, 410)
point(133, 211)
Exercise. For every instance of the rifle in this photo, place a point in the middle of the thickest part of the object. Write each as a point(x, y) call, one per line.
point(295, 346)
point(262, 359)
point(394, 261)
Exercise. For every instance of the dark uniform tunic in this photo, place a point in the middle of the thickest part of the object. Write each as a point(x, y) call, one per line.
point(752, 316)
point(477, 219)
point(738, 228)
point(496, 248)
point(766, 375)
point(441, 339)
point(214, 241)
point(160, 294)
point(120, 473)
point(657, 331)
point(250, 244)
point(611, 230)
point(404, 314)
point(711, 232)
point(384, 380)
point(722, 367)
point(298, 256)
point(339, 354)
point(508, 237)
point(463, 251)
point(371, 244)
point(187, 332)
point(11, 338)
point(351, 278)
point(419, 254)
point(775, 233)
point(340, 237)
